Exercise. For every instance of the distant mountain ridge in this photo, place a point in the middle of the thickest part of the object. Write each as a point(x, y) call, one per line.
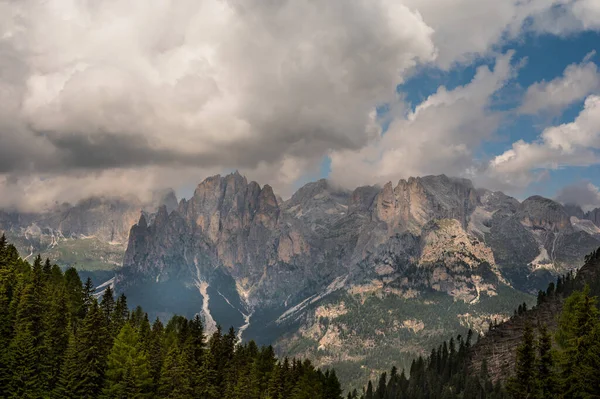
point(301, 273)
point(90, 235)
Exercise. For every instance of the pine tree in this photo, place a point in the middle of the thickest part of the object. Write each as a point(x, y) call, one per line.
point(128, 368)
point(578, 337)
point(545, 364)
point(107, 305)
point(523, 385)
point(174, 381)
point(27, 356)
point(85, 363)
point(57, 334)
point(87, 297)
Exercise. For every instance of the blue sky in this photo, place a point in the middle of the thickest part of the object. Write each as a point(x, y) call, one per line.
point(542, 58)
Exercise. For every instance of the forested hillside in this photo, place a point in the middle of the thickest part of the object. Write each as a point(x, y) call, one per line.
point(557, 354)
point(58, 341)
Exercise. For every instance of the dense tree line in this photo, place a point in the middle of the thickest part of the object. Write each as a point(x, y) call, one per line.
point(561, 364)
point(443, 374)
point(565, 364)
point(57, 340)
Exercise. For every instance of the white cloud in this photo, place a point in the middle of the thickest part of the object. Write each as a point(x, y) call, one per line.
point(438, 137)
point(209, 84)
point(570, 144)
point(583, 193)
point(577, 81)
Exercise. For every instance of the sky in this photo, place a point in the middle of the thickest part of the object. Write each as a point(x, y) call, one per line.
point(111, 97)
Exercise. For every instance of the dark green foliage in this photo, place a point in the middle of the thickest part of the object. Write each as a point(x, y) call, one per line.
point(444, 374)
point(58, 341)
point(545, 365)
point(524, 384)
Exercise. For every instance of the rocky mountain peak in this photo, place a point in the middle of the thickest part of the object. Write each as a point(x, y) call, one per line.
point(413, 202)
point(362, 198)
point(543, 213)
point(142, 222)
point(318, 203)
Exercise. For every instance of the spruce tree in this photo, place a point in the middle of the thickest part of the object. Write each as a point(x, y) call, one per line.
point(57, 333)
point(74, 291)
point(87, 297)
point(578, 337)
point(85, 363)
point(545, 364)
point(523, 384)
point(175, 376)
point(121, 314)
point(27, 356)
point(107, 305)
point(156, 352)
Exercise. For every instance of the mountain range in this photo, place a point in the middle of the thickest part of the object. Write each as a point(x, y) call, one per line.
point(351, 279)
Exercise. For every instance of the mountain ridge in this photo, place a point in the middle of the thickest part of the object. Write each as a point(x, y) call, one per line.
point(279, 270)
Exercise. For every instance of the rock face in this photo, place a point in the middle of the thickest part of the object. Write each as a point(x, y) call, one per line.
point(336, 274)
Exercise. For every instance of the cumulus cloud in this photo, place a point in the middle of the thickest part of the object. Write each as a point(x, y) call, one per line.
point(439, 136)
point(577, 81)
point(126, 84)
point(584, 193)
point(570, 144)
point(129, 88)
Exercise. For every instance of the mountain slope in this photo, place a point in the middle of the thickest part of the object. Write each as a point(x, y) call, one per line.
point(498, 346)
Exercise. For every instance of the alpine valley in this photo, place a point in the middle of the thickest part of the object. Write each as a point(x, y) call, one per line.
point(358, 280)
